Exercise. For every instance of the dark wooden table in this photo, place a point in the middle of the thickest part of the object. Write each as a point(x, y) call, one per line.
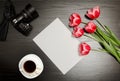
point(95, 67)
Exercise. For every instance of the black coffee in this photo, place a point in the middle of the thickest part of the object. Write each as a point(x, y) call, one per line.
point(29, 66)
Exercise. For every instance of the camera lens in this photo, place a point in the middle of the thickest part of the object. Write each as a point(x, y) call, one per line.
point(29, 13)
point(21, 20)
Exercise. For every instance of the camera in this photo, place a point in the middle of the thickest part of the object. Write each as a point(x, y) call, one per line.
point(22, 20)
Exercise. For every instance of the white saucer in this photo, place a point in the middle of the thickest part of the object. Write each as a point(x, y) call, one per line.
point(38, 62)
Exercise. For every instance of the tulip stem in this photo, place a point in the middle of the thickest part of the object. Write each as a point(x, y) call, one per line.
point(99, 50)
point(100, 24)
point(84, 23)
point(90, 37)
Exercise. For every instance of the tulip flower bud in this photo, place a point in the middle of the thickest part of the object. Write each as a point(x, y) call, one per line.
point(84, 48)
point(90, 27)
point(93, 13)
point(77, 32)
point(75, 20)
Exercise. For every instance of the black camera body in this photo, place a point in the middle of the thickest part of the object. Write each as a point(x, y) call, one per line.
point(21, 21)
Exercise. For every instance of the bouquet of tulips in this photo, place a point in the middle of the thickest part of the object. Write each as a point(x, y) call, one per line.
point(99, 32)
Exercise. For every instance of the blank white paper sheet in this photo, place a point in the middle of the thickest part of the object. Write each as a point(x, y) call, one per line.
point(58, 44)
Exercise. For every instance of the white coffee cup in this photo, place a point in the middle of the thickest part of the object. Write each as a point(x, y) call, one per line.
point(30, 66)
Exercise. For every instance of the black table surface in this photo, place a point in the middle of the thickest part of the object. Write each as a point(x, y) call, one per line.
point(95, 67)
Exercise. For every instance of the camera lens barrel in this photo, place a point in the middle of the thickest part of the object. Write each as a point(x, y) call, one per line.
point(29, 13)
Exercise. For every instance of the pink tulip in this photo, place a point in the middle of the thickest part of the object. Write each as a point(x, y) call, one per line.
point(77, 32)
point(84, 48)
point(75, 20)
point(93, 13)
point(90, 27)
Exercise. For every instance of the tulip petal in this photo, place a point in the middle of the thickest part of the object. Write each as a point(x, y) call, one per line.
point(74, 20)
point(90, 27)
point(77, 32)
point(84, 48)
point(93, 13)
